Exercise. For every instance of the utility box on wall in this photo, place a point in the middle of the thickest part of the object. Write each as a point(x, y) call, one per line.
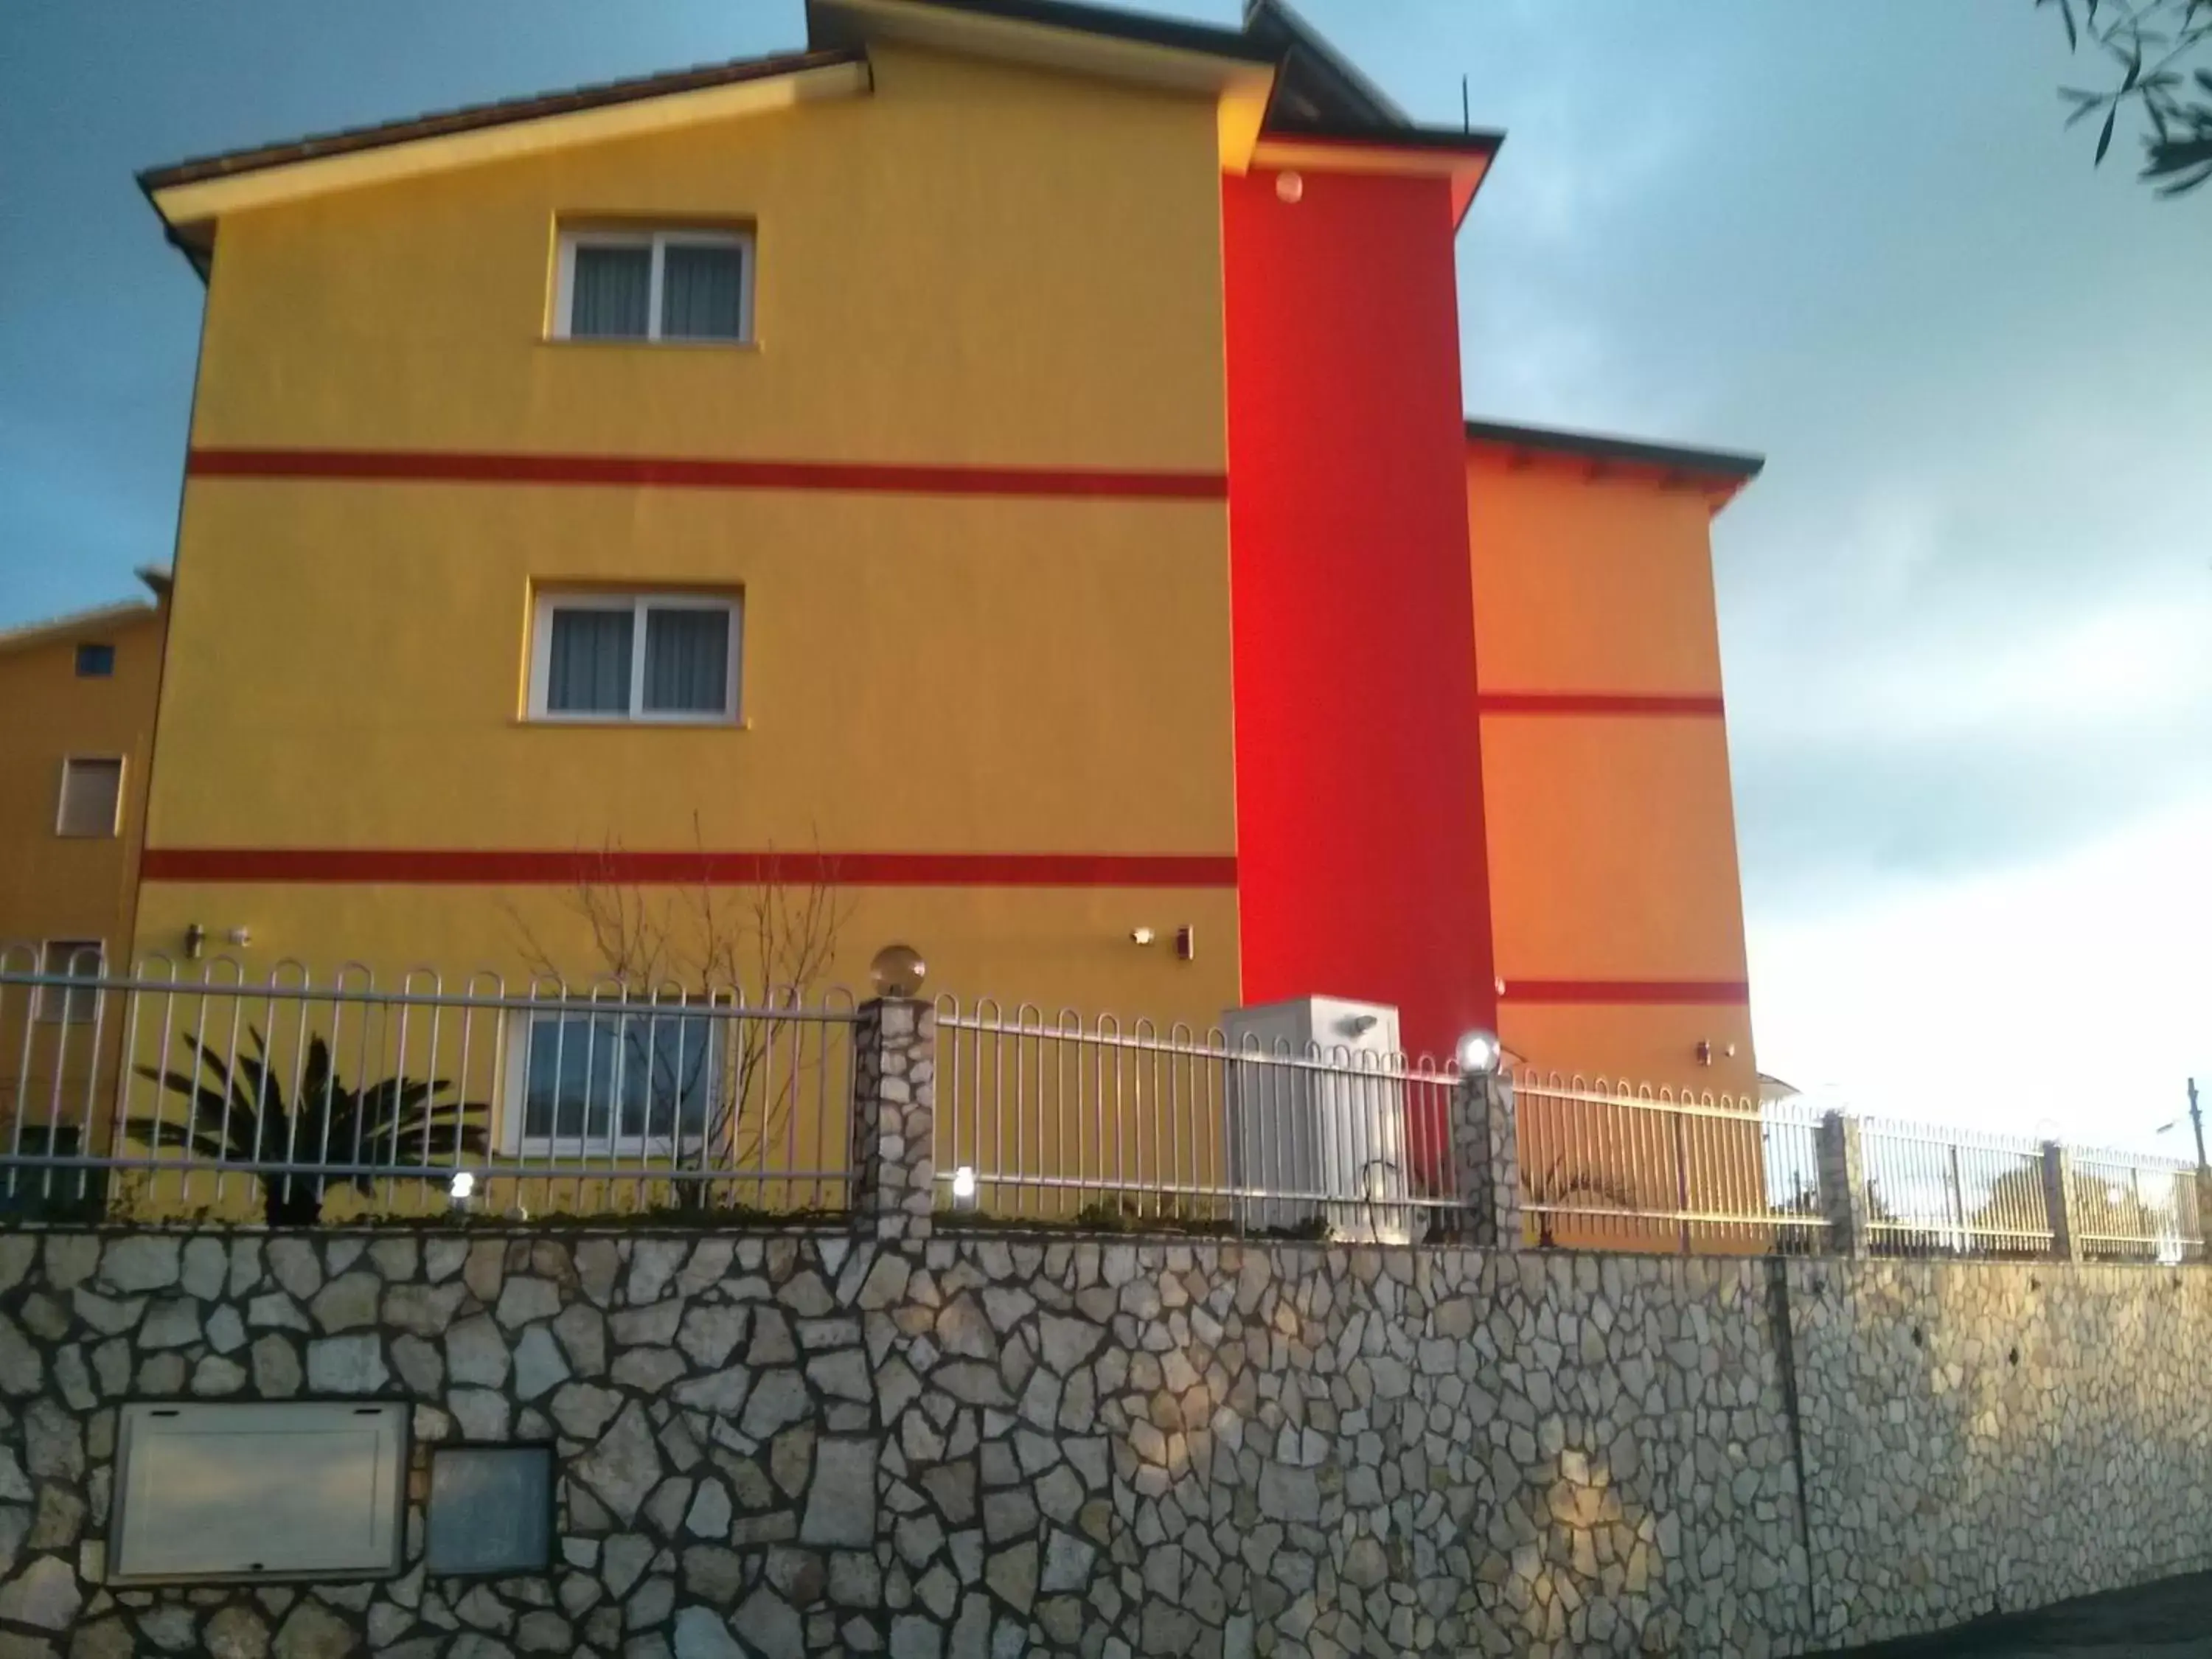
point(294, 1489)
point(1316, 1119)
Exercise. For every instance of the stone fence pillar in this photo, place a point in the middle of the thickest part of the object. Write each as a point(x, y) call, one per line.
point(894, 1118)
point(1487, 1158)
point(2058, 1200)
point(1843, 1183)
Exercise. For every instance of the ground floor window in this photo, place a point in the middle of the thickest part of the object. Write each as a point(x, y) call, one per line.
point(626, 1081)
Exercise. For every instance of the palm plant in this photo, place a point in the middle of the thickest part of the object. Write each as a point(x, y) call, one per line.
point(1557, 1188)
point(240, 1116)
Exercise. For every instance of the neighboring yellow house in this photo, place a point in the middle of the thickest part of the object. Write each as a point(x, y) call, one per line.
point(72, 808)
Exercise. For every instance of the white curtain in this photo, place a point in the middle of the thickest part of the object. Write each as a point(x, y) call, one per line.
point(687, 661)
point(589, 670)
point(610, 293)
point(701, 289)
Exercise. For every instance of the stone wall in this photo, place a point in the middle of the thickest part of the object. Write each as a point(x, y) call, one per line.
point(1996, 1436)
point(788, 1444)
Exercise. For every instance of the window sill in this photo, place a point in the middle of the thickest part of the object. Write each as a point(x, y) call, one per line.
point(584, 723)
point(606, 342)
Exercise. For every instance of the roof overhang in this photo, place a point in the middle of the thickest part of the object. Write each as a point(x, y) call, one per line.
point(78, 625)
point(1238, 73)
point(192, 196)
point(1462, 158)
point(1718, 475)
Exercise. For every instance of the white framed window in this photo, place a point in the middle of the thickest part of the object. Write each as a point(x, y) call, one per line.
point(635, 1081)
point(651, 658)
point(83, 959)
point(642, 283)
point(91, 804)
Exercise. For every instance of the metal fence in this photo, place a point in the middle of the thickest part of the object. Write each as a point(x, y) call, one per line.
point(187, 1089)
point(182, 1090)
point(2129, 1207)
point(1061, 1119)
point(1628, 1166)
point(1932, 1191)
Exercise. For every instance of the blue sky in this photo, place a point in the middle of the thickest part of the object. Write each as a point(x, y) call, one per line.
point(1966, 614)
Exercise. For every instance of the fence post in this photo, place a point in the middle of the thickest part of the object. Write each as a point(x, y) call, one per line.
point(894, 1118)
point(1486, 1157)
point(1843, 1183)
point(2058, 1201)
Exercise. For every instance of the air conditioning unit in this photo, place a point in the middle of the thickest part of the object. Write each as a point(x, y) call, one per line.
point(1315, 1130)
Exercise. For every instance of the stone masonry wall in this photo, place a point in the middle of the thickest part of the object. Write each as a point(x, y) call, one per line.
point(811, 1445)
point(1996, 1436)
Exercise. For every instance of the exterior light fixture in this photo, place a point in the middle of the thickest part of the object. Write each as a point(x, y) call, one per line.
point(461, 1190)
point(1142, 936)
point(195, 941)
point(964, 1187)
point(1478, 1053)
point(897, 971)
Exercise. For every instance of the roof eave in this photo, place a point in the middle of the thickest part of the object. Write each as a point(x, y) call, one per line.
point(55, 629)
point(190, 196)
point(1719, 474)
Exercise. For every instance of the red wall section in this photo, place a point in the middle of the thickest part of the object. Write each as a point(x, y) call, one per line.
point(1361, 860)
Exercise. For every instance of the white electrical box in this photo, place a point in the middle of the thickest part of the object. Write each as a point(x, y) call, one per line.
point(1315, 1129)
point(296, 1489)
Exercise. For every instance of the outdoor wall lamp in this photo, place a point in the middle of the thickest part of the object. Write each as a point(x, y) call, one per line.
point(1142, 936)
point(461, 1191)
point(1478, 1053)
point(195, 941)
point(964, 1187)
point(898, 971)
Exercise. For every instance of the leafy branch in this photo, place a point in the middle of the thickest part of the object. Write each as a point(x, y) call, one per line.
point(2159, 48)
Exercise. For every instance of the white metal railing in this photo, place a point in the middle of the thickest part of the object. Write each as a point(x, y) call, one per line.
point(1061, 1118)
point(2126, 1207)
point(199, 1089)
point(1625, 1165)
point(1932, 1190)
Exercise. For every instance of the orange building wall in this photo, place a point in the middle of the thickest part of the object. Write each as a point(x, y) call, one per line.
point(1617, 917)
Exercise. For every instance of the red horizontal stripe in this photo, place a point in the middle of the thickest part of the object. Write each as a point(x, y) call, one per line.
point(436, 467)
point(1596, 702)
point(1625, 993)
point(421, 866)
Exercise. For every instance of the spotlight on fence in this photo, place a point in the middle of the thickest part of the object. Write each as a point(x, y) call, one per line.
point(1478, 1053)
point(898, 971)
point(964, 1187)
point(460, 1191)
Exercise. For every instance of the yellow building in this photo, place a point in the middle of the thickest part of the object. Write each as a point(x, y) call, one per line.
point(81, 692)
point(811, 490)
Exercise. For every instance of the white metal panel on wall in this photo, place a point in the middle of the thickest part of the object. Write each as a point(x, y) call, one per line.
point(264, 1490)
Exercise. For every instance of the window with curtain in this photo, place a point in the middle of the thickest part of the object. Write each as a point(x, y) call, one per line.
point(652, 657)
point(616, 1081)
point(655, 285)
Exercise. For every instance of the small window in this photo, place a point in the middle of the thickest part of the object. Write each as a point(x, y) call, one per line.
point(655, 285)
point(647, 656)
point(92, 797)
point(82, 959)
point(95, 662)
point(638, 1083)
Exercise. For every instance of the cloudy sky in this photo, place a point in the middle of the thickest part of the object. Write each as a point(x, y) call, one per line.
point(1967, 613)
